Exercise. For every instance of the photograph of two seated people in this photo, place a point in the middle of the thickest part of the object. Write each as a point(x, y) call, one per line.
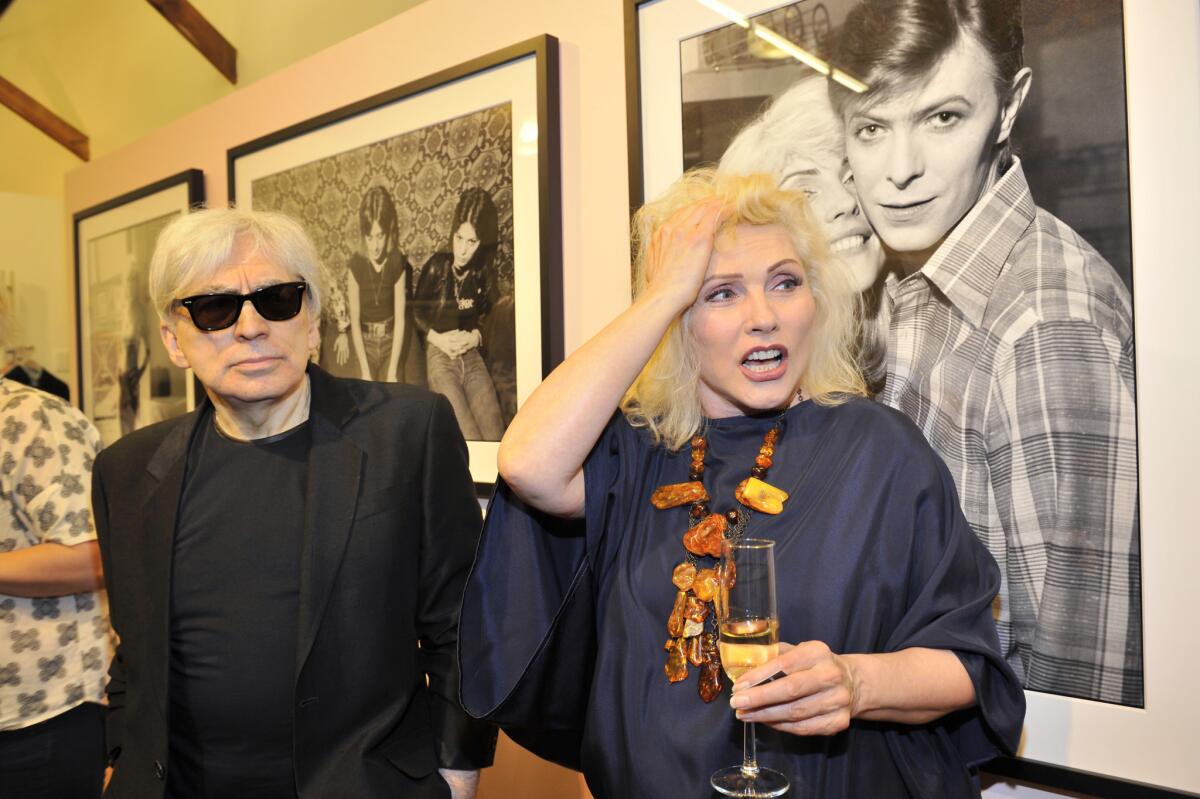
point(854, 469)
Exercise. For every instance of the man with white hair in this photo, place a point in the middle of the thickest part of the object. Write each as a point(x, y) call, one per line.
point(285, 564)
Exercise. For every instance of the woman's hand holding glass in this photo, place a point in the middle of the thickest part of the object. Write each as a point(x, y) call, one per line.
point(817, 696)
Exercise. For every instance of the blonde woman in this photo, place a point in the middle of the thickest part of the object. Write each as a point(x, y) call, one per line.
point(799, 141)
point(733, 363)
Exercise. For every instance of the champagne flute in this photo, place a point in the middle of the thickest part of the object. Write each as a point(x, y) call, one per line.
point(749, 626)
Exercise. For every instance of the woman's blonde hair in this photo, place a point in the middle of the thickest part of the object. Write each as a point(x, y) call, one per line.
point(666, 397)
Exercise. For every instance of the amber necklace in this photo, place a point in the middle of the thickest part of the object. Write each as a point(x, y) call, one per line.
point(699, 587)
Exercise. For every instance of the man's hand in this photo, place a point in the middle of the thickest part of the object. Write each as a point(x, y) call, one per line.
point(463, 784)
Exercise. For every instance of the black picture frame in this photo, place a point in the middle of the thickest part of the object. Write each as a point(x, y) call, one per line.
point(1065, 775)
point(371, 113)
point(138, 214)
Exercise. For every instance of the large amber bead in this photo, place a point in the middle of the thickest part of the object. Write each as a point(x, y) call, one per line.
point(706, 537)
point(676, 619)
point(696, 610)
point(695, 650)
point(683, 576)
point(704, 584)
point(676, 494)
point(710, 672)
point(763, 497)
point(676, 666)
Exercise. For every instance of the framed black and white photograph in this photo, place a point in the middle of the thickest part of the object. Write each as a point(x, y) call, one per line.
point(435, 209)
point(126, 380)
point(762, 85)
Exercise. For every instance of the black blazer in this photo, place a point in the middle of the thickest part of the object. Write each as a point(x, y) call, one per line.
point(391, 524)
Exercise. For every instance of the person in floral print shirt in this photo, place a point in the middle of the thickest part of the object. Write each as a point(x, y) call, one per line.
point(54, 633)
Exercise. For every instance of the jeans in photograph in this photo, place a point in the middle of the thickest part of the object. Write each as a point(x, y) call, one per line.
point(466, 383)
point(377, 345)
point(60, 758)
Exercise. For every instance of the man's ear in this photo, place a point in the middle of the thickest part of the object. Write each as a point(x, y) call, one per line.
point(171, 342)
point(1017, 92)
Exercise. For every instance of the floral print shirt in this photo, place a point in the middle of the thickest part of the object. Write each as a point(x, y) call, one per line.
point(54, 651)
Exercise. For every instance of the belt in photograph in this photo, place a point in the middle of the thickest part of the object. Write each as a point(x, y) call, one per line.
point(378, 328)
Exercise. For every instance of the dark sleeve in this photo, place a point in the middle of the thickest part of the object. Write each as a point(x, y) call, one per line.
point(488, 291)
point(406, 274)
point(528, 627)
point(449, 532)
point(115, 689)
point(951, 583)
point(51, 384)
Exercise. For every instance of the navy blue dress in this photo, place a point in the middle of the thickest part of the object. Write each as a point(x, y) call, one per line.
point(564, 621)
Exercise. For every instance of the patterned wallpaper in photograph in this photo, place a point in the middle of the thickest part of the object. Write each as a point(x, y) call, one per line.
point(425, 170)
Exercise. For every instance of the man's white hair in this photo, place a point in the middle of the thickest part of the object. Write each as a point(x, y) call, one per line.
point(197, 244)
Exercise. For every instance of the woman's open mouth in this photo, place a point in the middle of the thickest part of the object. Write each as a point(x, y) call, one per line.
point(765, 363)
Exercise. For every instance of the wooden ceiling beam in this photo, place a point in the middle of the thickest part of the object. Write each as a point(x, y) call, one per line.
point(200, 32)
point(44, 119)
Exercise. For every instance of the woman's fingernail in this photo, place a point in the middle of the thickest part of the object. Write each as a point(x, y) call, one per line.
point(737, 701)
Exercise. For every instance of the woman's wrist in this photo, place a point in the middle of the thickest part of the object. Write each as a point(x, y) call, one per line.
point(912, 686)
point(859, 681)
point(660, 303)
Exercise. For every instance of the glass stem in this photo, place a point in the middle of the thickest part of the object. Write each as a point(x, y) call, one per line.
point(749, 755)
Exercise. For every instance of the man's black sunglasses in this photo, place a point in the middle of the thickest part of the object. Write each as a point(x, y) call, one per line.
point(276, 303)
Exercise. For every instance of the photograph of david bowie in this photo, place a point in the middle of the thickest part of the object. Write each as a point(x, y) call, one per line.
point(982, 204)
point(416, 232)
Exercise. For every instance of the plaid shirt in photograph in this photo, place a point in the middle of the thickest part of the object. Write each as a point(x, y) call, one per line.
point(1012, 349)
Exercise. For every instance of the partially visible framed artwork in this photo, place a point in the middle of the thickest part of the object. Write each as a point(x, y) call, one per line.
point(713, 82)
point(126, 380)
point(435, 207)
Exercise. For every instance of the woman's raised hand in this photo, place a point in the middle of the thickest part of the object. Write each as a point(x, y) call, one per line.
point(677, 256)
point(543, 451)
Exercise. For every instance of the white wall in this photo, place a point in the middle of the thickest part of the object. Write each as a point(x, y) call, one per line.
point(32, 251)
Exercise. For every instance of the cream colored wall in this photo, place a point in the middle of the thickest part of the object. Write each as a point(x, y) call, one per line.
point(430, 37)
point(32, 256)
point(433, 36)
point(116, 69)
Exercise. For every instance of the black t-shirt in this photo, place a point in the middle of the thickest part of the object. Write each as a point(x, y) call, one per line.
point(234, 616)
point(377, 289)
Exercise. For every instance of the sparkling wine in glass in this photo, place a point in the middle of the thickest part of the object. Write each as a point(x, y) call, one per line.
point(749, 626)
point(747, 644)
